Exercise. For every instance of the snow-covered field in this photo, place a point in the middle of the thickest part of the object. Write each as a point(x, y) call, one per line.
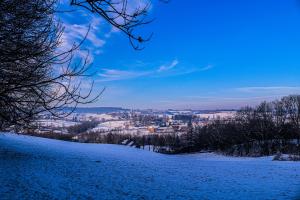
point(56, 123)
point(221, 115)
point(38, 168)
point(97, 117)
point(110, 125)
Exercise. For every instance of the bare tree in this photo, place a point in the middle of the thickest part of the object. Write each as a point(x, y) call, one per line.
point(280, 115)
point(37, 77)
point(292, 105)
point(34, 76)
point(122, 16)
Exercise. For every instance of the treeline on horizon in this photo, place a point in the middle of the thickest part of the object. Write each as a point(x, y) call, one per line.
point(266, 129)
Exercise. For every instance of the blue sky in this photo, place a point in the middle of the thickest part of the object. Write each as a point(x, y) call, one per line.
point(205, 54)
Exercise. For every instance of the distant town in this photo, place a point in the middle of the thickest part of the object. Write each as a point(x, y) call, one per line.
point(84, 122)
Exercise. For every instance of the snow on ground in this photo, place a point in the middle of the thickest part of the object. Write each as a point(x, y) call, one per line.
point(110, 125)
point(56, 123)
point(39, 168)
point(97, 117)
point(221, 115)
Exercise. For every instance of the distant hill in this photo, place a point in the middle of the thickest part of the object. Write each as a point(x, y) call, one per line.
point(98, 109)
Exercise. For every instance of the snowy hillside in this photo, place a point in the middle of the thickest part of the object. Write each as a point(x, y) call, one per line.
point(38, 168)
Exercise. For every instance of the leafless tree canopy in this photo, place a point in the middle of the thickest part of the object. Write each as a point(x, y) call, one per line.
point(121, 15)
point(34, 76)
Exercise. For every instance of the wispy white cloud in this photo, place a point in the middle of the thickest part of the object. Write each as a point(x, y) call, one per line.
point(111, 32)
point(77, 21)
point(167, 67)
point(165, 70)
point(231, 99)
point(75, 33)
point(79, 25)
point(212, 102)
point(114, 74)
point(208, 67)
point(117, 74)
point(269, 89)
point(176, 69)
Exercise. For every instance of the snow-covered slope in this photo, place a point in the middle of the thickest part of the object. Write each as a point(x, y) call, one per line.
point(38, 168)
